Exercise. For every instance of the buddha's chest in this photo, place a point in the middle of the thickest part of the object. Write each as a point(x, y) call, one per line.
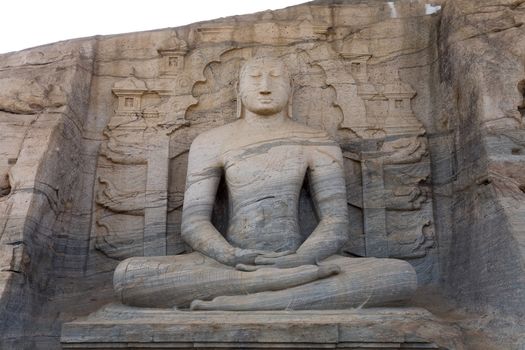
point(265, 165)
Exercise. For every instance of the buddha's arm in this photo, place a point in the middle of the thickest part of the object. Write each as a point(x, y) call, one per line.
point(204, 174)
point(328, 190)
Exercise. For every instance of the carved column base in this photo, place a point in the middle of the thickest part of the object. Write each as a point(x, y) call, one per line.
point(120, 327)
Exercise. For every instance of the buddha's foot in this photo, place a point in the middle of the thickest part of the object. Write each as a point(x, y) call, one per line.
point(362, 283)
point(327, 270)
point(271, 278)
point(178, 280)
point(199, 305)
point(230, 302)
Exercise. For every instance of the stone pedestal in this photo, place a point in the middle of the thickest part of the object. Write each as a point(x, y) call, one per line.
point(120, 327)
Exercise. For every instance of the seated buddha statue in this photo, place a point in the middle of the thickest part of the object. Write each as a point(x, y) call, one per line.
point(263, 261)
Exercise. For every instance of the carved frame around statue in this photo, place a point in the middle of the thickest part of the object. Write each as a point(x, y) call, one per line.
point(390, 202)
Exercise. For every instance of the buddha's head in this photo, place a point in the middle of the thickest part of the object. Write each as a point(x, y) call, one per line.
point(264, 86)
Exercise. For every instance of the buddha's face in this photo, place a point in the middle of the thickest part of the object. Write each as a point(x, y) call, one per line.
point(264, 86)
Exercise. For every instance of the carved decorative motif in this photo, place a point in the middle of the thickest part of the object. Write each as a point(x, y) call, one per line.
point(172, 51)
point(129, 92)
point(404, 150)
point(357, 54)
point(119, 201)
point(119, 237)
point(400, 117)
point(392, 153)
point(138, 134)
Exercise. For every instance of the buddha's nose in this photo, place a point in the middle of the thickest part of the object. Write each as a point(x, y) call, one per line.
point(265, 86)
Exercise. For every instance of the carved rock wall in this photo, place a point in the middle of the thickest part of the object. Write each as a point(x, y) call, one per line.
point(428, 109)
point(481, 85)
point(43, 105)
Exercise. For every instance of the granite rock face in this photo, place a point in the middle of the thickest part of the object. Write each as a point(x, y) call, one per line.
point(426, 104)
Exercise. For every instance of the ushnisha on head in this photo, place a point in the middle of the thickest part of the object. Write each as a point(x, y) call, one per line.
point(264, 86)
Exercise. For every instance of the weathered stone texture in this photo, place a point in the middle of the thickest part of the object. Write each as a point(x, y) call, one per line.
point(383, 328)
point(427, 108)
point(482, 253)
point(43, 102)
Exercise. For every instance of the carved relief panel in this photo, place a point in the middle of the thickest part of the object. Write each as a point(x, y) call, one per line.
point(143, 160)
point(395, 166)
point(134, 163)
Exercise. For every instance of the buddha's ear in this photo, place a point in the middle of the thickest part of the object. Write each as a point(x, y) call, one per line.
point(290, 99)
point(239, 107)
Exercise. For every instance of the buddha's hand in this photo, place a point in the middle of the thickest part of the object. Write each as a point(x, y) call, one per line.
point(248, 256)
point(246, 259)
point(284, 261)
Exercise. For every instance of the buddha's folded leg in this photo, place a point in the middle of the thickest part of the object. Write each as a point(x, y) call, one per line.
point(362, 282)
point(175, 281)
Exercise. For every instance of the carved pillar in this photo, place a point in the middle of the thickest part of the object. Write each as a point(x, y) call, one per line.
point(374, 209)
point(156, 204)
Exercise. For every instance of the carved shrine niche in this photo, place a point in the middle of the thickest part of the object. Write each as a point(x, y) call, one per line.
point(384, 144)
point(391, 150)
point(172, 51)
point(133, 169)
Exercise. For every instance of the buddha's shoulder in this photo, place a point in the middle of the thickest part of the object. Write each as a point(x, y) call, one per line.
point(307, 132)
point(216, 136)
